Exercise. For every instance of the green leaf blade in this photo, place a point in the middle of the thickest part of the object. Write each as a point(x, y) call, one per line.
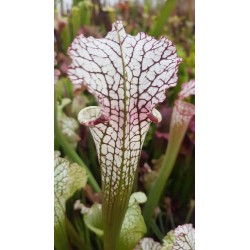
point(67, 179)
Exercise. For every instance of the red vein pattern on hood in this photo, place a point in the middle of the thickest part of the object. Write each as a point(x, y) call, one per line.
point(129, 76)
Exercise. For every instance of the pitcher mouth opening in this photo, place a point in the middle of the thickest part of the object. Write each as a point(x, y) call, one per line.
point(92, 116)
point(155, 116)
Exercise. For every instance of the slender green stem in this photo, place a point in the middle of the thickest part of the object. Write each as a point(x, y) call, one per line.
point(165, 12)
point(114, 209)
point(156, 230)
point(177, 133)
point(87, 236)
point(171, 218)
point(78, 242)
point(190, 211)
point(99, 244)
point(70, 152)
point(80, 229)
point(161, 222)
point(60, 237)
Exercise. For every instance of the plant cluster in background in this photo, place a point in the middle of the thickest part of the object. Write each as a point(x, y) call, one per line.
point(160, 213)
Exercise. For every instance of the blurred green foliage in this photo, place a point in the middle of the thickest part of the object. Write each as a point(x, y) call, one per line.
point(173, 19)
